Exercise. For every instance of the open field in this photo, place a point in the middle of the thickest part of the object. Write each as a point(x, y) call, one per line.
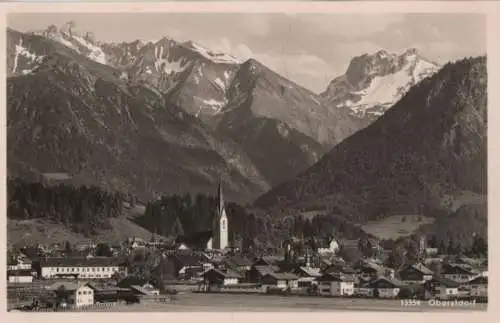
point(45, 231)
point(396, 226)
point(191, 302)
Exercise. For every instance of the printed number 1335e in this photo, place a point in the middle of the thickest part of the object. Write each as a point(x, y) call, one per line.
point(410, 302)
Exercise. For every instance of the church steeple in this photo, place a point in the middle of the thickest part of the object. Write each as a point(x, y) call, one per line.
point(220, 225)
point(220, 198)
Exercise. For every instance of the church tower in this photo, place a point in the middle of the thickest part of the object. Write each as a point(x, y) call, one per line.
point(220, 229)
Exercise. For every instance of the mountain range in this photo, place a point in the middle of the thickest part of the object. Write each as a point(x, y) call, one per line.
point(237, 105)
point(374, 83)
point(424, 155)
point(164, 117)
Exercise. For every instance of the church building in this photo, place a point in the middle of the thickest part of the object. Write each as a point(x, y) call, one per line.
point(220, 228)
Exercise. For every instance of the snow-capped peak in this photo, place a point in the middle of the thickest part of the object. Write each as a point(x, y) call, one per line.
point(373, 83)
point(216, 57)
point(84, 45)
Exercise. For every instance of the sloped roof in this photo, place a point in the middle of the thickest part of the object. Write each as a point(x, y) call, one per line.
point(444, 282)
point(127, 282)
point(226, 273)
point(283, 276)
point(419, 267)
point(19, 272)
point(394, 282)
point(311, 271)
point(143, 289)
point(333, 278)
point(458, 268)
point(69, 286)
point(188, 259)
point(196, 240)
point(239, 260)
point(264, 270)
point(479, 280)
point(424, 270)
point(80, 262)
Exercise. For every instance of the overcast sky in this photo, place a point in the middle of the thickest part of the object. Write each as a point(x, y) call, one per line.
point(310, 49)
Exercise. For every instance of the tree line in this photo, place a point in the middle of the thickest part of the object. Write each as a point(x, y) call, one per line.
point(82, 209)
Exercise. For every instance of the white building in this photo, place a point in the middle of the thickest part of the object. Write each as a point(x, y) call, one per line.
point(220, 227)
point(334, 285)
point(84, 296)
point(279, 280)
point(74, 294)
point(20, 276)
point(441, 288)
point(215, 278)
point(331, 246)
point(87, 268)
point(386, 288)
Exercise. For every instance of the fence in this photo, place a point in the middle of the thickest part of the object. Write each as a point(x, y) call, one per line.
point(98, 307)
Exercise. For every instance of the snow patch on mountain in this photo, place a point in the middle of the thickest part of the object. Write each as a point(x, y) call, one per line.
point(22, 51)
point(95, 52)
point(220, 84)
point(214, 105)
point(373, 83)
point(215, 57)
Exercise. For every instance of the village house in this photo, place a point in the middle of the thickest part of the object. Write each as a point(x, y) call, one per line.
point(89, 268)
point(362, 288)
point(341, 269)
point(219, 278)
point(328, 245)
point(415, 274)
point(188, 265)
point(20, 276)
point(333, 285)
point(307, 275)
point(74, 294)
point(268, 261)
point(279, 280)
point(460, 273)
point(479, 286)
point(146, 289)
point(256, 273)
point(130, 281)
point(136, 242)
point(182, 246)
point(441, 288)
point(386, 288)
point(109, 294)
point(21, 262)
point(368, 269)
point(238, 263)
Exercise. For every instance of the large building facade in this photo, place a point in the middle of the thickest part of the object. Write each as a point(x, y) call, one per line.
point(87, 268)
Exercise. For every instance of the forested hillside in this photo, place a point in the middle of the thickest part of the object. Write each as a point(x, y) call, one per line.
point(83, 210)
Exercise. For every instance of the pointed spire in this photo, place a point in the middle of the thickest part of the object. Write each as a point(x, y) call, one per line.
point(220, 196)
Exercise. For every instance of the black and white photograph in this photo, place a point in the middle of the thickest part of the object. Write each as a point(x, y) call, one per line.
point(246, 161)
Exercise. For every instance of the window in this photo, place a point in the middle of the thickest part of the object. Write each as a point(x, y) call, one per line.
point(93, 269)
point(57, 269)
